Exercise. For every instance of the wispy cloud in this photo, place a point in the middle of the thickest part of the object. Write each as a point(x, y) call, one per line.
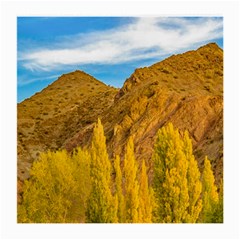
point(23, 80)
point(142, 39)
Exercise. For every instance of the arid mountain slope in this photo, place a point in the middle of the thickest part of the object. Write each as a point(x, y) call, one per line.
point(186, 89)
point(57, 113)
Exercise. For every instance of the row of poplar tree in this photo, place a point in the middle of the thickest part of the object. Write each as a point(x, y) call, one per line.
point(86, 186)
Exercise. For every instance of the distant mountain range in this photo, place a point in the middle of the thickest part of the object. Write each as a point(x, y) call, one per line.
point(185, 89)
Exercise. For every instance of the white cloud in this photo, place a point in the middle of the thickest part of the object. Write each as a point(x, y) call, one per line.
point(23, 80)
point(126, 43)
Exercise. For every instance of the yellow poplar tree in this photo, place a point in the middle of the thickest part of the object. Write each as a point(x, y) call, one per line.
point(49, 193)
point(210, 195)
point(170, 177)
point(119, 192)
point(145, 199)
point(131, 184)
point(82, 160)
point(194, 182)
point(101, 205)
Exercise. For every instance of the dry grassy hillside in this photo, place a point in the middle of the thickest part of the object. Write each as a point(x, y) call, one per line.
point(57, 113)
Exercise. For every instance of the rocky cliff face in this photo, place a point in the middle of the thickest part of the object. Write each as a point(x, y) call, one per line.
point(185, 89)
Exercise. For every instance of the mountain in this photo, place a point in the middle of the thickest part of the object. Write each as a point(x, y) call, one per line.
point(185, 89)
point(56, 114)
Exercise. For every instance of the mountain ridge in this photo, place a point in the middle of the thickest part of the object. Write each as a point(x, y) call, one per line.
point(185, 89)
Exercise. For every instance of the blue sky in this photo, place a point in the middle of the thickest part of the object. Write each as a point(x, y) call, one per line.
point(108, 48)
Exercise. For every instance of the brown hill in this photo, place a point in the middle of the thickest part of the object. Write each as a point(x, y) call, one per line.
point(57, 113)
point(186, 89)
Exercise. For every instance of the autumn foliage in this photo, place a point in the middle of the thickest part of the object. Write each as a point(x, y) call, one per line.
point(87, 186)
point(101, 204)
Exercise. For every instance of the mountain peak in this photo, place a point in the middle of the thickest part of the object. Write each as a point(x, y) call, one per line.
point(211, 45)
point(192, 71)
point(75, 78)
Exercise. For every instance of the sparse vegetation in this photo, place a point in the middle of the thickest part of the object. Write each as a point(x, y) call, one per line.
point(208, 73)
point(208, 87)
